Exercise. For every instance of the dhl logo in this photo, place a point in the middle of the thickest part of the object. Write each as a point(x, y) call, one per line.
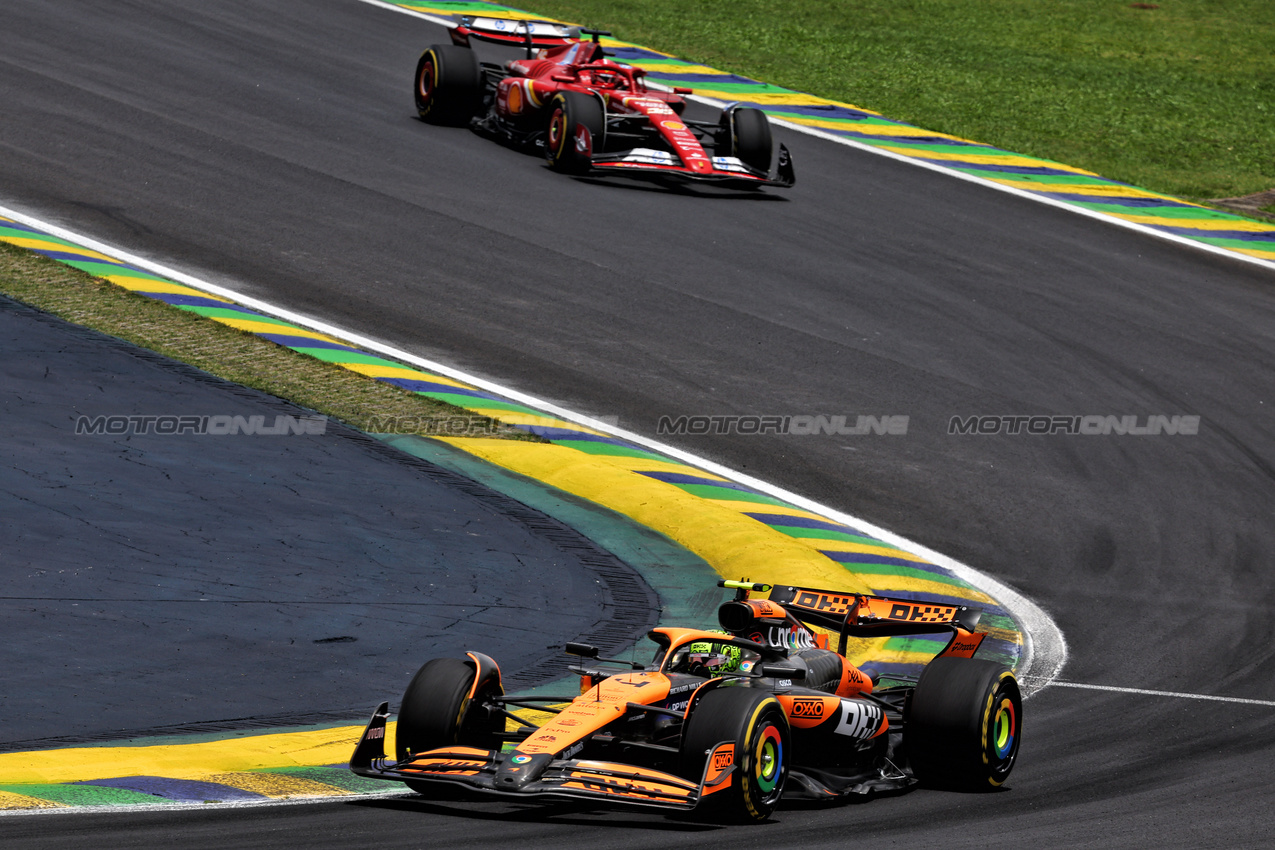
point(453, 772)
point(449, 764)
point(829, 603)
point(921, 613)
point(611, 785)
point(860, 720)
point(841, 603)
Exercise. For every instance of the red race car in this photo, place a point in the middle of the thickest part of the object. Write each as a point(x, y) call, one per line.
point(589, 113)
point(722, 722)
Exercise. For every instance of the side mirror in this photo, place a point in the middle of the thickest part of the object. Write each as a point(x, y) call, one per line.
point(583, 650)
point(563, 78)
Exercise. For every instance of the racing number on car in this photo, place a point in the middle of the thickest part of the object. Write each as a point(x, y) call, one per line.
point(859, 719)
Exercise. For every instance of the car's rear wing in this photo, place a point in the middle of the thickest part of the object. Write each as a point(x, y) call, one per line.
point(529, 34)
point(860, 615)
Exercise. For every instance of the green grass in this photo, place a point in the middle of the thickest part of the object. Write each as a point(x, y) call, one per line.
point(224, 351)
point(1178, 99)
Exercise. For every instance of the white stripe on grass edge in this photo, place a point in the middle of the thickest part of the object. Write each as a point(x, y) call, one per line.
point(929, 166)
point(1044, 649)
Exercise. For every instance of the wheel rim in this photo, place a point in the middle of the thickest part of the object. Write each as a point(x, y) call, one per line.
point(558, 130)
point(1004, 729)
point(768, 758)
point(425, 85)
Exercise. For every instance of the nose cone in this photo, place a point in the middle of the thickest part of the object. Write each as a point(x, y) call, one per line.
point(518, 769)
point(701, 166)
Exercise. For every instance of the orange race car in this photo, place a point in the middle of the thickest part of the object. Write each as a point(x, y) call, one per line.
point(720, 722)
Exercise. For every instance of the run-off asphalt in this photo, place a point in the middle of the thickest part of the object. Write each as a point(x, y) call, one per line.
point(175, 580)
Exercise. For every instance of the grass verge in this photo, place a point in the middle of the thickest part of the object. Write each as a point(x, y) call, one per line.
point(223, 351)
point(1178, 98)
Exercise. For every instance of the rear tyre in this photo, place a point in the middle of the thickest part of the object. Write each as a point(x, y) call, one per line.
point(449, 84)
point(964, 724)
point(744, 133)
point(577, 128)
point(437, 711)
point(756, 722)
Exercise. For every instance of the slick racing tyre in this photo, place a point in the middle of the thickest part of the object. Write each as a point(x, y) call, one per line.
point(744, 133)
point(964, 724)
point(437, 711)
point(756, 722)
point(577, 128)
point(449, 84)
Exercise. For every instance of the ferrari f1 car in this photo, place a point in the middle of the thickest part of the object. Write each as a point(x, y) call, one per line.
point(588, 113)
point(720, 722)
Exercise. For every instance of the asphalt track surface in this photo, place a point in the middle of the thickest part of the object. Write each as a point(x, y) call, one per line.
point(174, 583)
point(273, 148)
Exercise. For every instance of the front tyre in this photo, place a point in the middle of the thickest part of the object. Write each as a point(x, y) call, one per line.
point(438, 711)
point(744, 133)
point(577, 127)
point(449, 84)
point(756, 723)
point(964, 724)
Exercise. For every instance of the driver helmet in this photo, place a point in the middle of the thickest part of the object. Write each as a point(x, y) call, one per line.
point(607, 77)
point(718, 657)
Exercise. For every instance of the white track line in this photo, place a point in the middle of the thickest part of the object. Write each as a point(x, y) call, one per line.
point(1031, 196)
point(1044, 648)
point(929, 166)
point(1242, 701)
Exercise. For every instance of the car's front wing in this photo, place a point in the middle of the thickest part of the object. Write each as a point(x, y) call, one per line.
point(496, 772)
point(728, 171)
